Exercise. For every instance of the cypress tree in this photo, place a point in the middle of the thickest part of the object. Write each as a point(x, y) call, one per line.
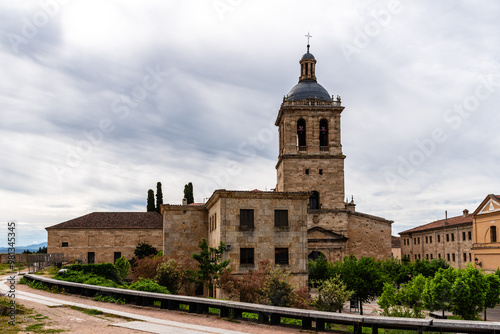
point(159, 197)
point(188, 193)
point(151, 201)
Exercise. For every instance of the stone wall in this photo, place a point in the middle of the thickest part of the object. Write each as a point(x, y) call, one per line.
point(184, 226)
point(103, 242)
point(369, 236)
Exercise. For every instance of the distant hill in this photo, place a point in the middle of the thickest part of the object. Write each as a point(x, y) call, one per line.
point(20, 249)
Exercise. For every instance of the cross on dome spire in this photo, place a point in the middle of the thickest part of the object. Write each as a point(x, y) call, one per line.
point(308, 36)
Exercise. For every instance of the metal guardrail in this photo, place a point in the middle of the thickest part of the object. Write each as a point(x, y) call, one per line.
point(37, 262)
point(272, 315)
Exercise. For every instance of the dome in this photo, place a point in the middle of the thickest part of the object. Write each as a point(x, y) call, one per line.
point(308, 89)
point(308, 56)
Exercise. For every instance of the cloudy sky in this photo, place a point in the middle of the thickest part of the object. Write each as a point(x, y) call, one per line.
point(102, 99)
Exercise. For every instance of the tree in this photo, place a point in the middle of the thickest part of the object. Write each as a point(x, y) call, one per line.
point(493, 292)
point(159, 197)
point(410, 294)
point(468, 293)
point(436, 294)
point(122, 266)
point(151, 201)
point(170, 275)
point(144, 250)
point(42, 250)
point(188, 193)
point(210, 265)
point(332, 294)
point(364, 277)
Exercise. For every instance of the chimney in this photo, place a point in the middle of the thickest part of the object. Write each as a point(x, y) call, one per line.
point(445, 218)
point(184, 201)
point(466, 213)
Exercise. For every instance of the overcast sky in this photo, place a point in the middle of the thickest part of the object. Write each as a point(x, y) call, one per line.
point(102, 99)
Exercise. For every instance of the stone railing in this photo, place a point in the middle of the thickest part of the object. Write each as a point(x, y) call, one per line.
point(273, 315)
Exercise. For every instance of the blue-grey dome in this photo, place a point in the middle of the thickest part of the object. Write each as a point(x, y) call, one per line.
point(306, 89)
point(308, 55)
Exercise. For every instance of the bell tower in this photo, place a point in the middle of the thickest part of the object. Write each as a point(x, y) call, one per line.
point(310, 152)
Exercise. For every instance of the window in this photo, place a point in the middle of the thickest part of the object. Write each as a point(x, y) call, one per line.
point(301, 133)
point(246, 256)
point(447, 238)
point(432, 256)
point(439, 238)
point(439, 255)
point(414, 241)
point(314, 201)
point(426, 239)
point(415, 256)
point(90, 257)
point(281, 255)
point(323, 133)
point(430, 239)
point(470, 257)
point(465, 255)
point(307, 171)
point(116, 256)
point(246, 218)
point(281, 218)
point(453, 257)
point(419, 256)
point(453, 237)
point(493, 232)
point(427, 256)
point(469, 235)
point(320, 172)
point(64, 244)
point(463, 236)
point(418, 240)
point(448, 257)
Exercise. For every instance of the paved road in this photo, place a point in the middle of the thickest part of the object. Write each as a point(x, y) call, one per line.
point(144, 323)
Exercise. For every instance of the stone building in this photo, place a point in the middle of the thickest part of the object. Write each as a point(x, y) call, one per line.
point(449, 239)
point(486, 247)
point(396, 247)
point(305, 215)
point(105, 236)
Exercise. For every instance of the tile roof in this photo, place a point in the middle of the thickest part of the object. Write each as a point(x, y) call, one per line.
point(121, 220)
point(441, 223)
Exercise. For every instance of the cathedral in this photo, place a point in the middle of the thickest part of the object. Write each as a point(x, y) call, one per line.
point(304, 217)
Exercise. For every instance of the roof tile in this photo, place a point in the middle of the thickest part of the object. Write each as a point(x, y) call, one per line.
point(112, 220)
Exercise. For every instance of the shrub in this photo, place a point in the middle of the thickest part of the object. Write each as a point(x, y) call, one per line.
point(148, 285)
point(106, 270)
point(144, 250)
point(170, 275)
point(332, 294)
point(146, 268)
point(122, 267)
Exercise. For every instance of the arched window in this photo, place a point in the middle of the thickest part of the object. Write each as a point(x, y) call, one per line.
point(301, 133)
point(314, 255)
point(323, 133)
point(314, 201)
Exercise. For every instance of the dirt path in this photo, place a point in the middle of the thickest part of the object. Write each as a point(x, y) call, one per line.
point(75, 321)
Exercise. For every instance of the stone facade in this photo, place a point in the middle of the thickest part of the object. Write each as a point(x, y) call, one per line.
point(486, 225)
point(449, 239)
point(103, 236)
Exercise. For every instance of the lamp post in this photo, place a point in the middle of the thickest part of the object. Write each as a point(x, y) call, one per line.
point(476, 261)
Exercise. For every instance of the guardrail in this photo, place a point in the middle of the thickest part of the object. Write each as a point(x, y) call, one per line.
point(272, 315)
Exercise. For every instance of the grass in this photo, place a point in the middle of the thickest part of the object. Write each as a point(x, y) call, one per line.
point(6, 269)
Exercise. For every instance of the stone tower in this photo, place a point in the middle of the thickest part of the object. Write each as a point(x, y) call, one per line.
point(310, 151)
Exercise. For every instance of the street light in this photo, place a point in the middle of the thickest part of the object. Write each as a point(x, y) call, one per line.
point(476, 261)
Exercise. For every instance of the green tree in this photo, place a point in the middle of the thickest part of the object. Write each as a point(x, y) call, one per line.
point(468, 293)
point(436, 294)
point(410, 294)
point(332, 294)
point(144, 250)
point(151, 201)
point(210, 265)
point(159, 197)
point(493, 292)
point(278, 289)
point(170, 275)
point(188, 193)
point(318, 269)
point(122, 266)
point(362, 276)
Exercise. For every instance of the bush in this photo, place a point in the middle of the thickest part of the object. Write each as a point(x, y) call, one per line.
point(85, 278)
point(144, 250)
point(106, 270)
point(122, 267)
point(170, 275)
point(332, 294)
point(146, 268)
point(148, 285)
